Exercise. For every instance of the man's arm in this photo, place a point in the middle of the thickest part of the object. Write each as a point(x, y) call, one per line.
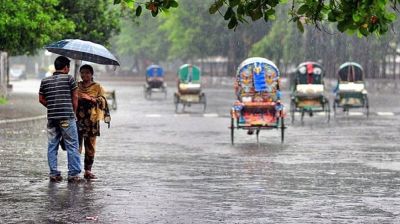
point(75, 99)
point(42, 100)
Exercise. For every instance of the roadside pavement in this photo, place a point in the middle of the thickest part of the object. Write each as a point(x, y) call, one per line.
point(23, 103)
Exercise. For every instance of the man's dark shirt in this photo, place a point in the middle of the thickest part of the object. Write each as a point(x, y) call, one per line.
point(57, 90)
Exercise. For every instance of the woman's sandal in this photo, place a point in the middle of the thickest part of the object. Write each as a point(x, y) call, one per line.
point(89, 176)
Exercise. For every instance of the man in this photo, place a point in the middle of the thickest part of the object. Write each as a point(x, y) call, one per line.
point(58, 93)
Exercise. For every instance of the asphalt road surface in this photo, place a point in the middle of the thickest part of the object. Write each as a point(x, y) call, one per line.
point(158, 166)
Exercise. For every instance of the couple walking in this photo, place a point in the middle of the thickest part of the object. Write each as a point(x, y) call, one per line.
point(73, 114)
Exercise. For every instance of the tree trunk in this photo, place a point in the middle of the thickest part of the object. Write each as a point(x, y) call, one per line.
point(76, 69)
point(7, 70)
point(231, 57)
point(394, 60)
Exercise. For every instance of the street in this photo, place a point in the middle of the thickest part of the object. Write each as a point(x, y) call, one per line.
point(158, 166)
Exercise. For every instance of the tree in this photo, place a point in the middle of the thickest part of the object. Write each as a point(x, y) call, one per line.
point(361, 17)
point(194, 35)
point(198, 36)
point(26, 26)
point(95, 20)
point(188, 34)
point(144, 40)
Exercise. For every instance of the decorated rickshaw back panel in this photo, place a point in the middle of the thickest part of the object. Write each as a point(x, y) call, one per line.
point(309, 73)
point(257, 89)
point(189, 74)
point(154, 71)
point(258, 82)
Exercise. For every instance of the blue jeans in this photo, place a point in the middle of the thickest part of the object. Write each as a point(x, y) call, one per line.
point(68, 131)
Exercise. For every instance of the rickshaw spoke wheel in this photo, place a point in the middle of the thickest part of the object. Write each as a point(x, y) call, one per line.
point(204, 101)
point(258, 136)
point(366, 105)
point(327, 110)
point(334, 109)
point(292, 110)
point(176, 101)
point(282, 129)
point(114, 105)
point(232, 130)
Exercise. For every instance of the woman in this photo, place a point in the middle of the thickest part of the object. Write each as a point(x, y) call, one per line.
point(91, 103)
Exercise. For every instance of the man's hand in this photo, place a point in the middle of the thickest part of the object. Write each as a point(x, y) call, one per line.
point(42, 100)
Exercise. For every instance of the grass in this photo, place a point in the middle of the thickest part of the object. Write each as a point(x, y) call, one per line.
point(3, 101)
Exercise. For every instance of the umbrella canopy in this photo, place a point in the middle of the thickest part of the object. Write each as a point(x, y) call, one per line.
point(83, 50)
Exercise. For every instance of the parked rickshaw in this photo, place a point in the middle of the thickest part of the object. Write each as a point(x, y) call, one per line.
point(307, 91)
point(189, 87)
point(111, 99)
point(154, 81)
point(258, 106)
point(350, 90)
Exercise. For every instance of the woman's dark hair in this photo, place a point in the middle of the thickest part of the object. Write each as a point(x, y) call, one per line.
point(61, 62)
point(88, 67)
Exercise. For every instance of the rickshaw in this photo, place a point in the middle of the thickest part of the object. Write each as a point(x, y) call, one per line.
point(189, 87)
point(111, 97)
point(307, 91)
point(258, 106)
point(154, 81)
point(350, 90)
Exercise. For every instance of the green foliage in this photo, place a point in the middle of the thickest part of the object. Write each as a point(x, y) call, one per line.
point(94, 20)
point(194, 35)
point(268, 46)
point(3, 101)
point(142, 39)
point(153, 6)
point(362, 17)
point(26, 26)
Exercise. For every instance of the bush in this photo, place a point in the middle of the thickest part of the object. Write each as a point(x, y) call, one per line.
point(3, 101)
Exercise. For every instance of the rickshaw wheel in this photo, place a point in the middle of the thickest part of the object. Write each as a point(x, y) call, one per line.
point(334, 108)
point(176, 101)
point(327, 110)
point(302, 116)
point(114, 103)
point(282, 129)
point(165, 93)
point(145, 91)
point(366, 105)
point(184, 106)
point(203, 100)
point(258, 136)
point(232, 130)
point(292, 110)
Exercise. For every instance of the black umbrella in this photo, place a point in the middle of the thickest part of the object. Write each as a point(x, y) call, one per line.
point(83, 50)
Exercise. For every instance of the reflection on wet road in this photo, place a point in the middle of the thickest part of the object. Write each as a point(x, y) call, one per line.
point(182, 169)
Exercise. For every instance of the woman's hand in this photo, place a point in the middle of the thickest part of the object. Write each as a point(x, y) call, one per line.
point(87, 97)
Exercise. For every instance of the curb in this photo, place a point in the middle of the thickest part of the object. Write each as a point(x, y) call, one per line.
point(17, 120)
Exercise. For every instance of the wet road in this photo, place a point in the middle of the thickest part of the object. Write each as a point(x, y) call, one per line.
point(155, 166)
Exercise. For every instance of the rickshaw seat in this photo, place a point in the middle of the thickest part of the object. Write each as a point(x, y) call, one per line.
point(309, 89)
point(189, 87)
point(351, 87)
